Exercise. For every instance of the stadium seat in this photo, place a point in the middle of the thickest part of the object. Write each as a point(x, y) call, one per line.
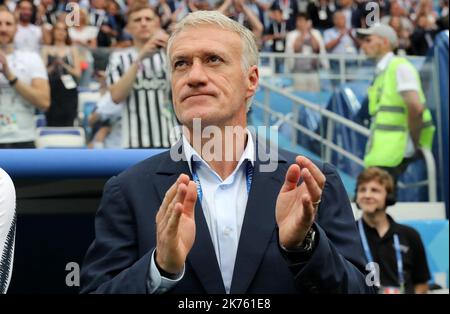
point(60, 137)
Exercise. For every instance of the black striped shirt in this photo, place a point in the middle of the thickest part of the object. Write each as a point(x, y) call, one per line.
point(147, 117)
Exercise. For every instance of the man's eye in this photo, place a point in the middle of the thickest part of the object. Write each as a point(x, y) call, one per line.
point(179, 64)
point(214, 59)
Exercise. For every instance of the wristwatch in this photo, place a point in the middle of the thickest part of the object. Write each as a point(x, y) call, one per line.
point(307, 244)
point(13, 81)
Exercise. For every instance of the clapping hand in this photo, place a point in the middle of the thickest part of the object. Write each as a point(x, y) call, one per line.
point(297, 205)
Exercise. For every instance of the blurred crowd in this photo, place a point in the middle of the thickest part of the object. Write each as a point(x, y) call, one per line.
point(101, 23)
point(76, 37)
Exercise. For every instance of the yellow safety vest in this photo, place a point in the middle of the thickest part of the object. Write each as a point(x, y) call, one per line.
point(389, 129)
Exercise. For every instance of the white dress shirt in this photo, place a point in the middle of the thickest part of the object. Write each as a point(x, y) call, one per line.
point(223, 203)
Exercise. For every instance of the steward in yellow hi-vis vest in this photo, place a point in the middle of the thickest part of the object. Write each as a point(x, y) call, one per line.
point(389, 129)
point(400, 121)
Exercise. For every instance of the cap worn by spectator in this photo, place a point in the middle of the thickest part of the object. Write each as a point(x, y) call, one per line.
point(381, 30)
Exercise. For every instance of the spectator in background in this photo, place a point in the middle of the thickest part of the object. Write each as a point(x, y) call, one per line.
point(404, 42)
point(85, 37)
point(261, 9)
point(401, 123)
point(138, 81)
point(353, 16)
point(24, 87)
point(181, 9)
point(46, 18)
point(396, 248)
point(7, 229)
point(47, 12)
point(28, 35)
point(289, 8)
point(340, 40)
point(425, 8)
point(443, 8)
point(83, 34)
point(164, 12)
point(321, 13)
point(241, 13)
point(398, 11)
point(105, 120)
point(442, 21)
point(305, 41)
point(10, 5)
point(97, 13)
point(63, 67)
point(117, 22)
point(422, 38)
point(195, 5)
point(275, 36)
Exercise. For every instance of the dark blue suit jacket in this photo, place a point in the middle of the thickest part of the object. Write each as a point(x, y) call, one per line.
point(118, 260)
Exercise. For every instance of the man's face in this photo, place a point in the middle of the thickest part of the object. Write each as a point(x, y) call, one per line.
point(371, 196)
point(143, 24)
point(302, 24)
point(208, 80)
point(373, 46)
point(99, 4)
point(25, 11)
point(339, 20)
point(7, 28)
point(47, 2)
point(345, 3)
point(277, 16)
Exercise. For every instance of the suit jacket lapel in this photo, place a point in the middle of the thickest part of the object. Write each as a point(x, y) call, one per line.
point(259, 224)
point(202, 256)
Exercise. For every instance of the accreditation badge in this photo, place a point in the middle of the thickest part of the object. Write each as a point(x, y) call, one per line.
point(323, 15)
point(390, 290)
point(68, 81)
point(279, 45)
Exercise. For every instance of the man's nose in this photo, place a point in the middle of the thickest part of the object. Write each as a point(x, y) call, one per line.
point(197, 75)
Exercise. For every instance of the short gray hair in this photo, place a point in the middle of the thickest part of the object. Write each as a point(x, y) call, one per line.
point(250, 53)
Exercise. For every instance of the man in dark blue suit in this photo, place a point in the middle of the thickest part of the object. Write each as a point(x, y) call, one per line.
point(195, 220)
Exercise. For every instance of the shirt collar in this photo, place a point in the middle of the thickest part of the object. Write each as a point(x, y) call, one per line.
point(384, 62)
point(192, 155)
point(393, 228)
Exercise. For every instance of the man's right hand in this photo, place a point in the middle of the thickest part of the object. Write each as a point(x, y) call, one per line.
point(175, 225)
point(158, 40)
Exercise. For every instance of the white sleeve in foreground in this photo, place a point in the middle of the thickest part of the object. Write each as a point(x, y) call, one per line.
point(157, 284)
point(7, 229)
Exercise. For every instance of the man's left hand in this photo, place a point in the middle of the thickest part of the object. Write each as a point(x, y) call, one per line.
point(297, 205)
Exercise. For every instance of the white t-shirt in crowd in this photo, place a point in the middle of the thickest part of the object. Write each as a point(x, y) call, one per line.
point(17, 122)
point(28, 38)
point(7, 228)
point(109, 111)
point(84, 34)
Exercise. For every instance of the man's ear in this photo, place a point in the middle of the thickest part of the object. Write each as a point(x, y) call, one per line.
point(253, 80)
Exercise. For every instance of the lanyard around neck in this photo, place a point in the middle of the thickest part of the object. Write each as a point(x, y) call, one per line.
point(398, 254)
point(248, 177)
